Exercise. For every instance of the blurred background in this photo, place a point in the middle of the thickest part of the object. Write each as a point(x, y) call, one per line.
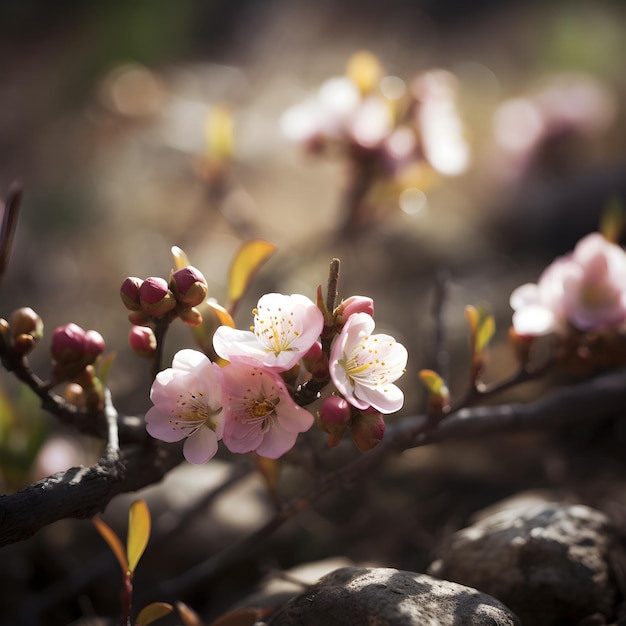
point(135, 126)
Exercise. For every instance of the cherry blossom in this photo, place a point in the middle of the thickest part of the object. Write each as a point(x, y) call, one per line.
point(285, 328)
point(260, 413)
point(187, 402)
point(363, 366)
point(586, 288)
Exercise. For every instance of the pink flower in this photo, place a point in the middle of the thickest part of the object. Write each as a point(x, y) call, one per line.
point(260, 413)
point(285, 327)
point(187, 402)
point(586, 288)
point(364, 366)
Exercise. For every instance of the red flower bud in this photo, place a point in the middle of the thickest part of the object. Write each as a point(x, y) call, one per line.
point(316, 362)
point(129, 291)
point(68, 343)
point(368, 430)
point(354, 304)
point(189, 286)
point(142, 340)
point(155, 297)
point(333, 417)
point(94, 344)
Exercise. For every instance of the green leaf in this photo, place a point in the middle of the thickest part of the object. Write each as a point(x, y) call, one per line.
point(245, 265)
point(114, 542)
point(153, 612)
point(138, 532)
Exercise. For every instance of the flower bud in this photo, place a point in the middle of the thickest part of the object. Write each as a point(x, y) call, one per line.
point(94, 345)
point(139, 318)
point(142, 340)
point(129, 291)
point(316, 362)
point(368, 430)
point(26, 329)
point(191, 317)
point(189, 286)
point(354, 304)
point(155, 297)
point(333, 417)
point(68, 343)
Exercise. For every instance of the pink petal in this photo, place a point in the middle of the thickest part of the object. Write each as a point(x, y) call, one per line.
point(276, 442)
point(159, 426)
point(201, 446)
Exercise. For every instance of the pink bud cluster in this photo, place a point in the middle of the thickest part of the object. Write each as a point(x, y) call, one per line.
point(153, 298)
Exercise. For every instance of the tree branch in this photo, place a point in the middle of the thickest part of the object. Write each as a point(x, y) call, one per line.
point(596, 399)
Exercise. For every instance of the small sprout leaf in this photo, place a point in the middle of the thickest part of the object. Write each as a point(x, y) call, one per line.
point(138, 532)
point(153, 612)
point(114, 542)
point(246, 263)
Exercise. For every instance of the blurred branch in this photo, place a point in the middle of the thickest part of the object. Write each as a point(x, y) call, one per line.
point(9, 224)
point(596, 399)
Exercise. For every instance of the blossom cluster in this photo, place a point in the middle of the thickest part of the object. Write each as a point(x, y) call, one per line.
point(585, 289)
point(248, 402)
point(366, 111)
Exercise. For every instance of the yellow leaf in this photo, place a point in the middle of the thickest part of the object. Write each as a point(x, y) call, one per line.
point(241, 617)
point(138, 532)
point(471, 315)
point(180, 258)
point(220, 133)
point(246, 263)
point(365, 70)
point(223, 316)
point(114, 542)
point(434, 383)
point(153, 612)
point(485, 332)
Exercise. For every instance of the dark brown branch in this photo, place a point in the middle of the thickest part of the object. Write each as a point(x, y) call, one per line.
point(596, 399)
point(81, 492)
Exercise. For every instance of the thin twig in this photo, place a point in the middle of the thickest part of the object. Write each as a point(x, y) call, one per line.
point(9, 225)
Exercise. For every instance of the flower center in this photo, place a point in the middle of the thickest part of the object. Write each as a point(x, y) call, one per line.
point(274, 329)
point(261, 411)
point(363, 364)
point(194, 412)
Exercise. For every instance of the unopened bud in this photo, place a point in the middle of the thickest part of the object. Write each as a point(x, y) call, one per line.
point(139, 318)
point(333, 417)
point(191, 317)
point(68, 343)
point(368, 430)
point(94, 345)
point(129, 291)
point(75, 395)
point(189, 286)
point(316, 362)
point(155, 297)
point(354, 304)
point(26, 329)
point(142, 340)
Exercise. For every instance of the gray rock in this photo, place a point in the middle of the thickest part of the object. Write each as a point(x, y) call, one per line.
point(363, 596)
point(548, 562)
